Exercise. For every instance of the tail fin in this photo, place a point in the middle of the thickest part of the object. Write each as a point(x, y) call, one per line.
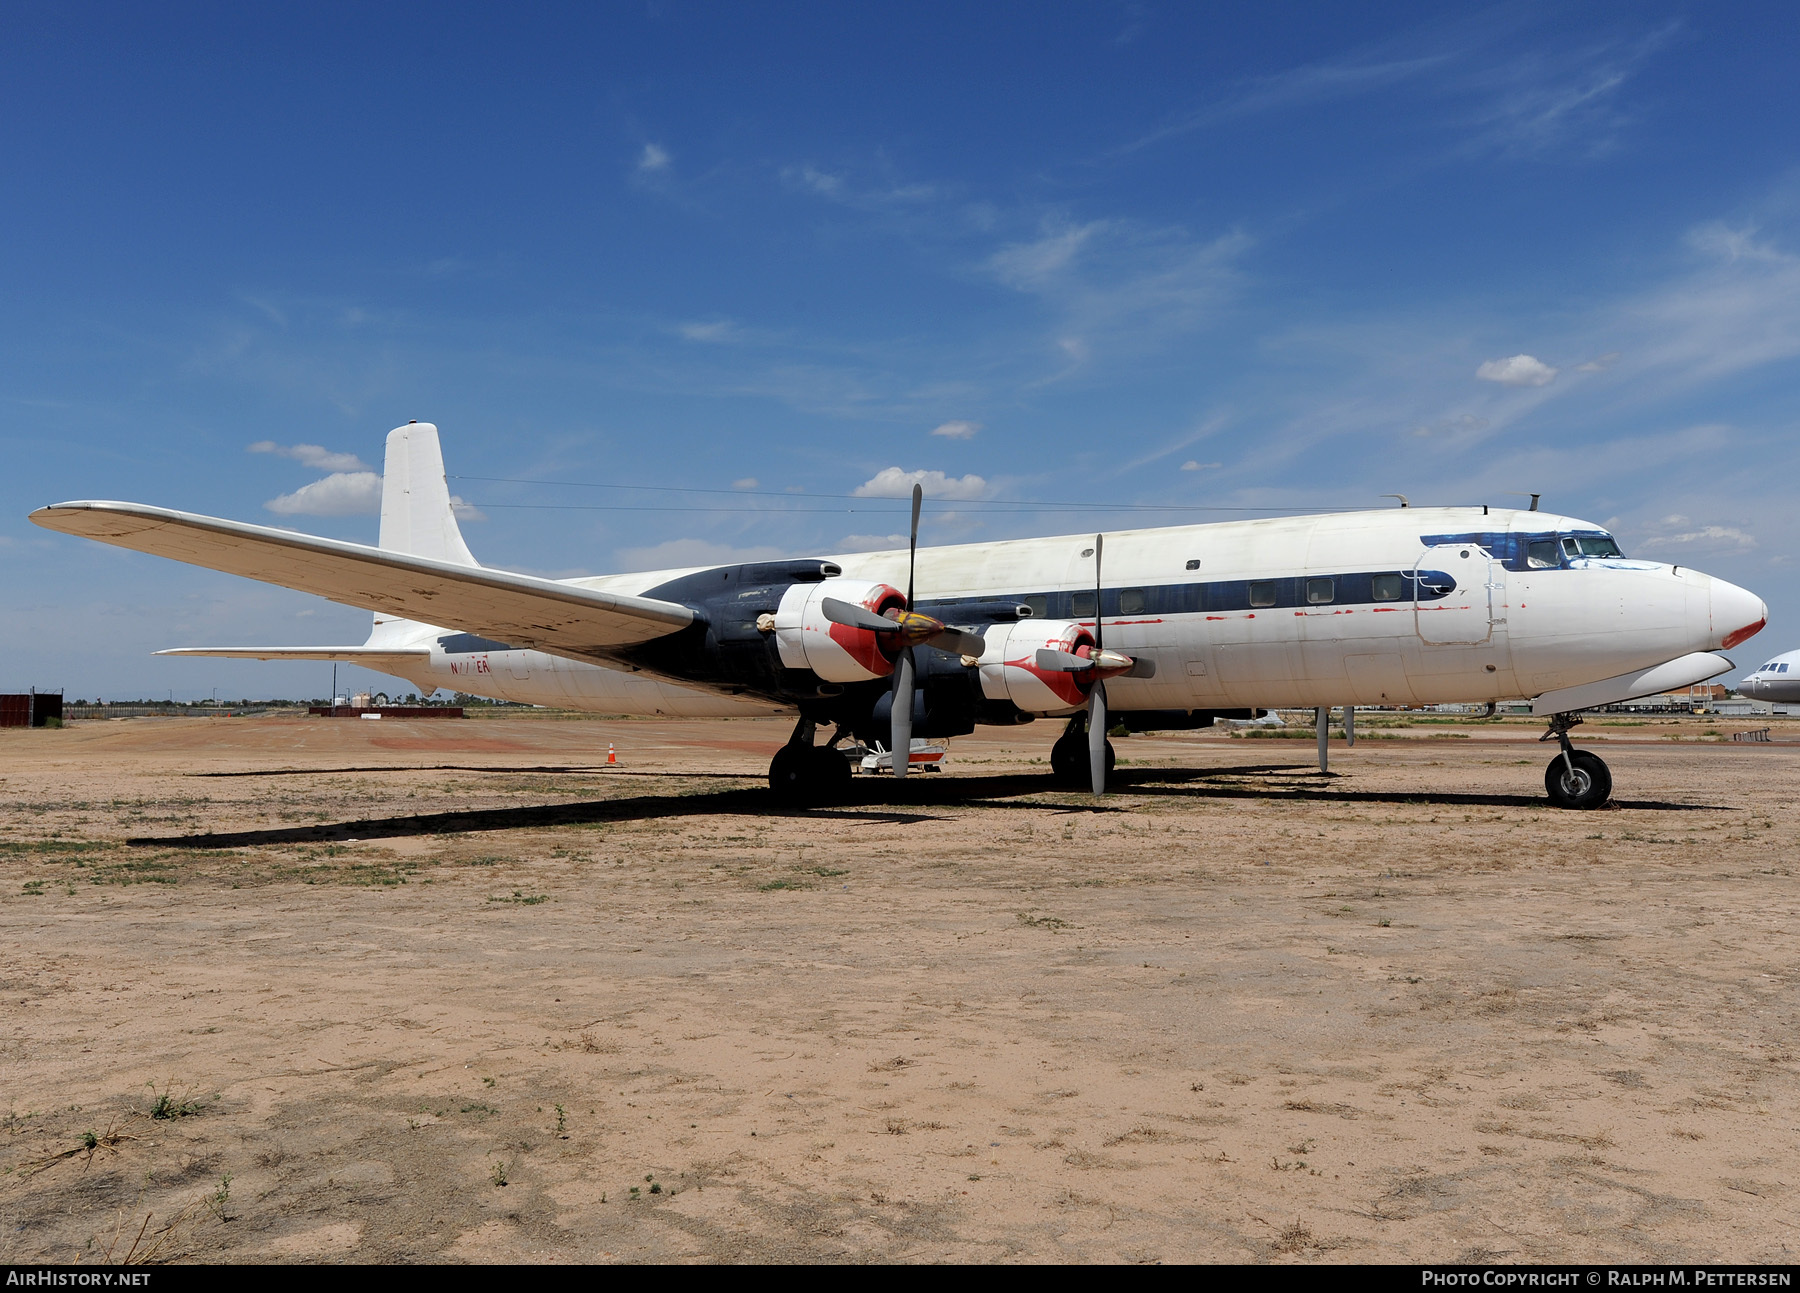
point(417, 516)
point(416, 513)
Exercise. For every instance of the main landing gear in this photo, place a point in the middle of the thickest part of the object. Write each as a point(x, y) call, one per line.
point(803, 774)
point(1069, 756)
point(1575, 778)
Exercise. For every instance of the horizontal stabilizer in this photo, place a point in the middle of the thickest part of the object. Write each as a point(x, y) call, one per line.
point(522, 610)
point(379, 660)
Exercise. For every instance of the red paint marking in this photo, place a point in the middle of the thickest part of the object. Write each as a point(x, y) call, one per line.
point(1744, 634)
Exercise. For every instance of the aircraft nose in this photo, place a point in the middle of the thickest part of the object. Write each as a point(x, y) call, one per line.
point(1737, 614)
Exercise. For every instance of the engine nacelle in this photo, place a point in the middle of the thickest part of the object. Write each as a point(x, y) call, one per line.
point(834, 652)
point(1009, 669)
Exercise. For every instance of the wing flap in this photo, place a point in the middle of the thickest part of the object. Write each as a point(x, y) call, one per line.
point(522, 610)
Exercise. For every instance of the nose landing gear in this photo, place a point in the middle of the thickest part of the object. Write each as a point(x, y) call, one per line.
point(1575, 778)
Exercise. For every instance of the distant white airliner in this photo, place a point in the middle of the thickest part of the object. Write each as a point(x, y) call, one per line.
point(1159, 628)
point(1778, 680)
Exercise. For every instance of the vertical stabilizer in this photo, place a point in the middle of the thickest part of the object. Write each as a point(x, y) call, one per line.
point(416, 518)
point(416, 515)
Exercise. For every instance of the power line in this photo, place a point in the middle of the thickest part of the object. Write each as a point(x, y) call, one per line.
point(1014, 504)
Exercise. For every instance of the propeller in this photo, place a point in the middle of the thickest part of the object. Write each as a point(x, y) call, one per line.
point(1102, 664)
point(1097, 696)
point(908, 629)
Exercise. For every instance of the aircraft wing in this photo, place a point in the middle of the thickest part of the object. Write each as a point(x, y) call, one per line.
point(373, 658)
point(521, 610)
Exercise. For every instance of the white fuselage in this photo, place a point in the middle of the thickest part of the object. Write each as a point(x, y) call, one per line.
point(1778, 680)
point(1322, 637)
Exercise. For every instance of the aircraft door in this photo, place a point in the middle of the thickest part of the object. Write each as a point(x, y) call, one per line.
point(1457, 598)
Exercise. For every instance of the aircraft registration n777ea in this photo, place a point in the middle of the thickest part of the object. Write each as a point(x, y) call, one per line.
point(1155, 628)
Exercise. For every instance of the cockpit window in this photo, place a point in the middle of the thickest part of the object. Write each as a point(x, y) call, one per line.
point(1591, 545)
point(1541, 554)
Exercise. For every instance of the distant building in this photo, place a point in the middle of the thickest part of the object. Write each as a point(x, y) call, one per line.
point(31, 709)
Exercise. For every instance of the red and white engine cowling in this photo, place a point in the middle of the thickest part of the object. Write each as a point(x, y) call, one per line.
point(835, 652)
point(1009, 665)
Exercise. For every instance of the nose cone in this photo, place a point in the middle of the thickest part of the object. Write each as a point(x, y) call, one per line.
point(1737, 614)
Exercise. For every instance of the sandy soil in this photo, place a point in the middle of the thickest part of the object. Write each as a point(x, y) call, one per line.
point(457, 990)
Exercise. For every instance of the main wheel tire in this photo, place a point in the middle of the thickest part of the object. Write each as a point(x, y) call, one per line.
point(831, 775)
point(1069, 760)
point(1588, 785)
point(791, 775)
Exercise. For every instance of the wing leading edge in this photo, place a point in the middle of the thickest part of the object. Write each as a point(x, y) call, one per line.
point(522, 610)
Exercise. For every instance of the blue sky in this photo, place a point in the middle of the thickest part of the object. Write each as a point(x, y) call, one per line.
point(1287, 256)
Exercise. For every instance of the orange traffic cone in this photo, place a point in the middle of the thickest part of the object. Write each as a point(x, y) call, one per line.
point(610, 756)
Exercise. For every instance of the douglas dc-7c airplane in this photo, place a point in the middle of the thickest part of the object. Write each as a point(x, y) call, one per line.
point(1159, 629)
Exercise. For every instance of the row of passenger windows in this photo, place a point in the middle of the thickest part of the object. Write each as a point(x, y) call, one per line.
point(1318, 591)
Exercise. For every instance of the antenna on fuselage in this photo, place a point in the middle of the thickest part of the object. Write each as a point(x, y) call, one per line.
point(1519, 493)
point(1404, 501)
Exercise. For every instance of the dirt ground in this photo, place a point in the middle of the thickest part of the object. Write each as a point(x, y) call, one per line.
point(282, 988)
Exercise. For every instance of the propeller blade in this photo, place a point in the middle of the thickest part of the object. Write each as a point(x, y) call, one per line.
point(912, 544)
point(1099, 620)
point(1097, 738)
point(957, 642)
point(853, 616)
point(900, 718)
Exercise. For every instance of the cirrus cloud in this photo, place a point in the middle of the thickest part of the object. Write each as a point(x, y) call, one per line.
point(957, 430)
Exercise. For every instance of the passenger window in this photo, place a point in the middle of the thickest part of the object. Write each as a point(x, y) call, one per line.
point(1262, 592)
point(1387, 588)
point(1081, 605)
point(1039, 606)
point(1131, 601)
point(1541, 554)
point(1319, 592)
point(1193, 563)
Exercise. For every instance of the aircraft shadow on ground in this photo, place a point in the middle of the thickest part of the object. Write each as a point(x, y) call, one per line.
point(877, 800)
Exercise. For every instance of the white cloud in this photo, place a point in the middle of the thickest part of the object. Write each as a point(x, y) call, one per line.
point(870, 542)
point(1520, 370)
point(957, 430)
point(315, 456)
point(1709, 536)
point(654, 158)
point(465, 511)
point(678, 553)
point(892, 482)
point(810, 177)
point(748, 482)
point(1191, 465)
point(1599, 363)
point(717, 330)
point(343, 493)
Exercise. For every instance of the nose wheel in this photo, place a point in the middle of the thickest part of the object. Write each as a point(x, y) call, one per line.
point(1575, 778)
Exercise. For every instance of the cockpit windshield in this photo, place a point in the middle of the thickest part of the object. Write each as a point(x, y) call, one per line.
point(1590, 545)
